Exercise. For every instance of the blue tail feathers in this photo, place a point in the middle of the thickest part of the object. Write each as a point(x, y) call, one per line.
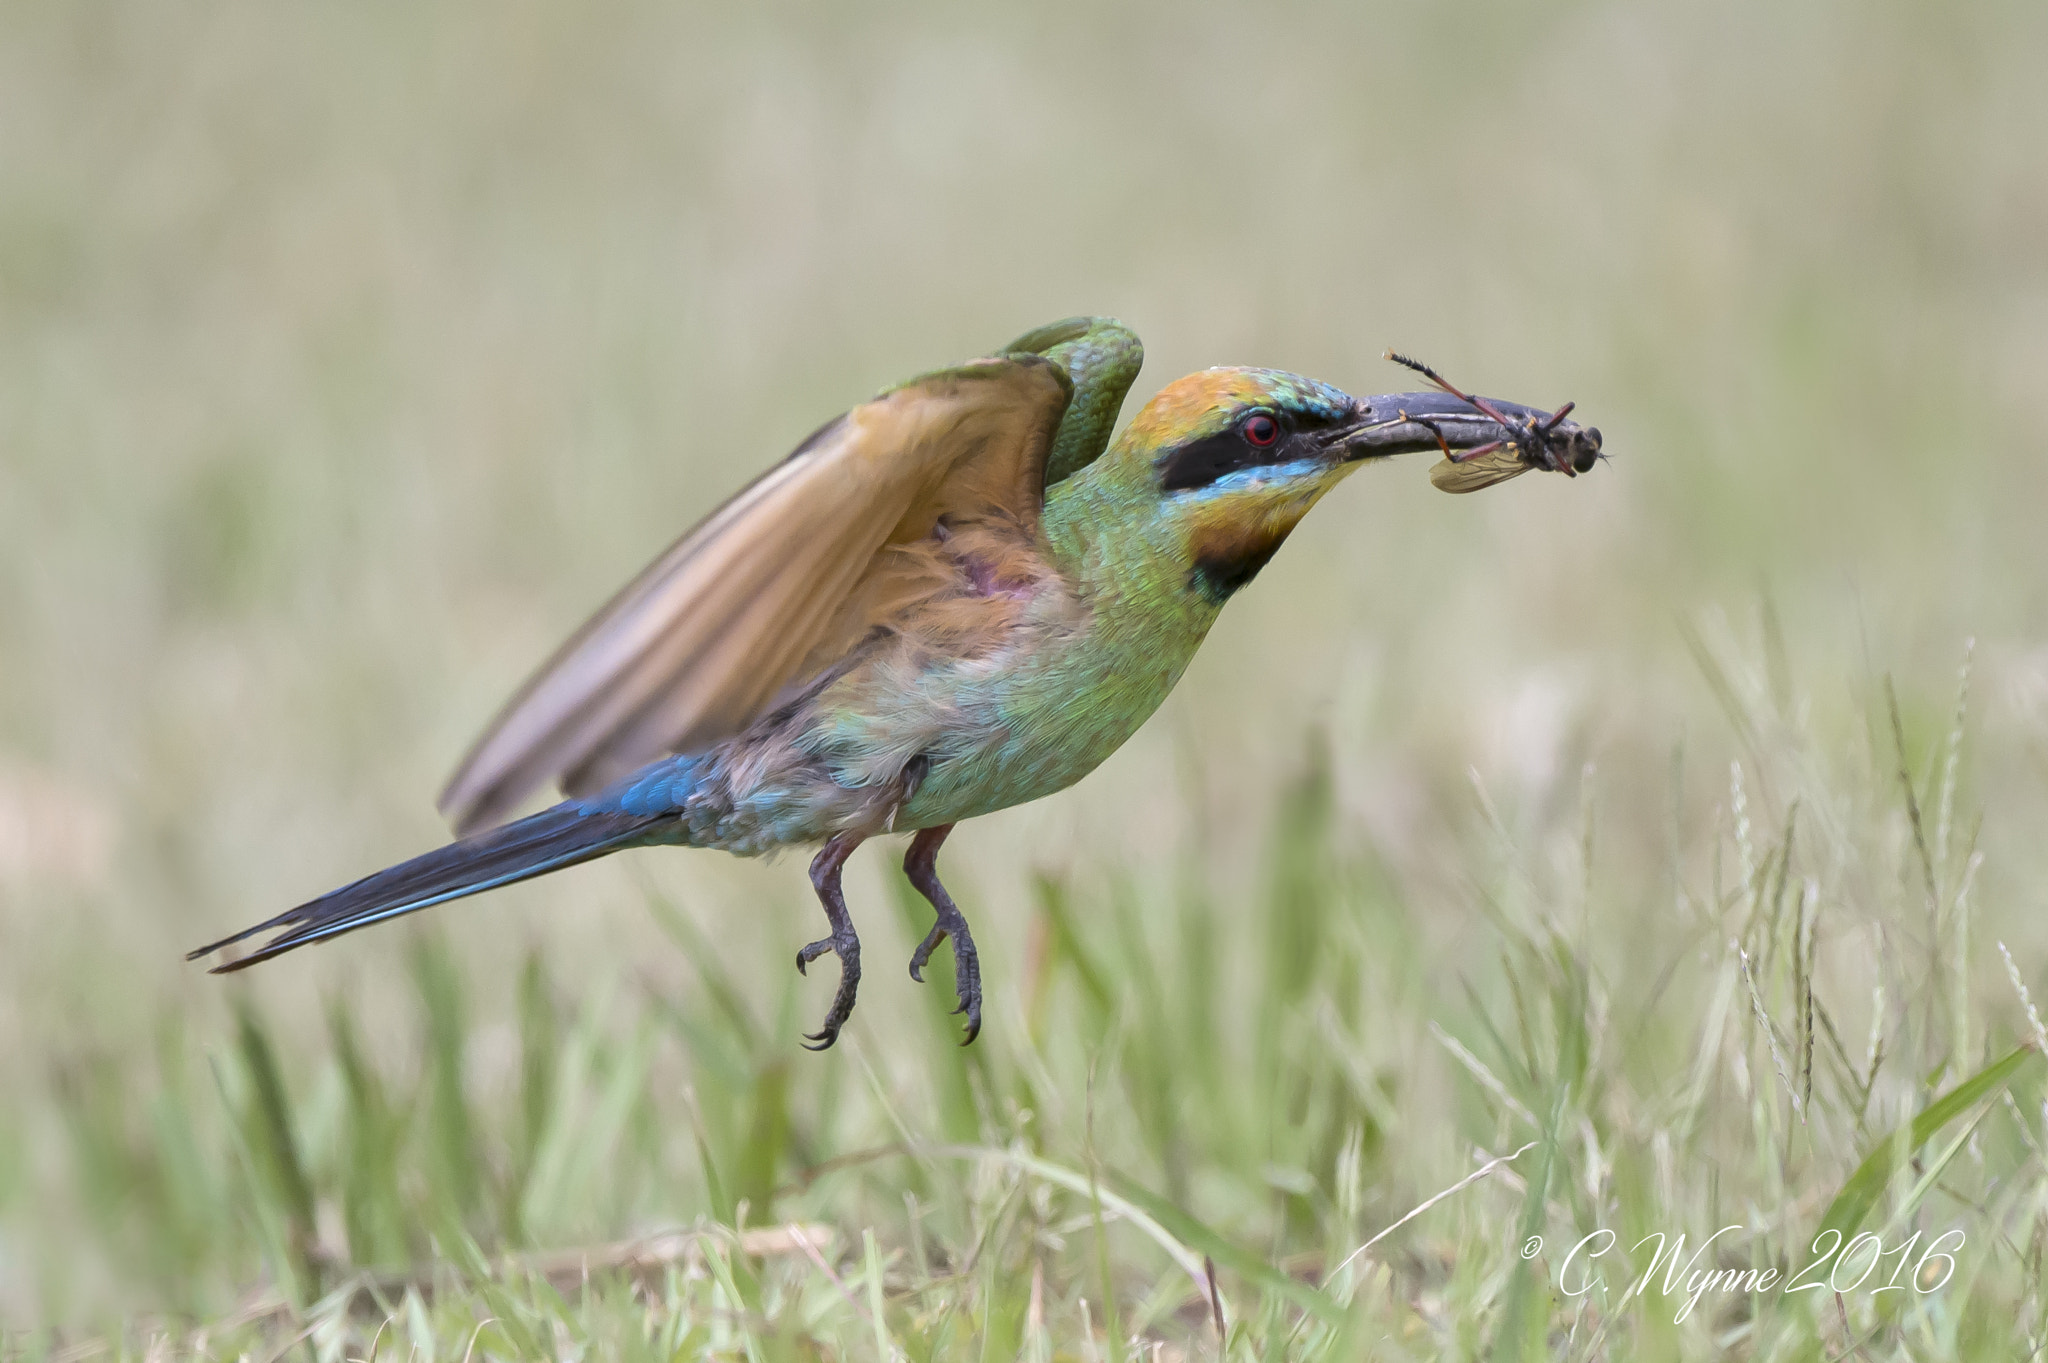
point(569, 833)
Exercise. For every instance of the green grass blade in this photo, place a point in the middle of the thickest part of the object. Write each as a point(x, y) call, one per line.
point(451, 1127)
point(278, 1176)
point(1865, 1186)
point(540, 1049)
point(1183, 1237)
point(761, 1156)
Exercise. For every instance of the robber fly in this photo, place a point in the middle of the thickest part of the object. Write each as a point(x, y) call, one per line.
point(1548, 444)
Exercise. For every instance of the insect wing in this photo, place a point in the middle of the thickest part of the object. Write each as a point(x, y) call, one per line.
point(1495, 466)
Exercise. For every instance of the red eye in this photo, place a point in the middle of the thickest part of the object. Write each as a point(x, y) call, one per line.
point(1261, 429)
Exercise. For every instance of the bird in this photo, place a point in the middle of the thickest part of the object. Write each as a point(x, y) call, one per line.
point(956, 597)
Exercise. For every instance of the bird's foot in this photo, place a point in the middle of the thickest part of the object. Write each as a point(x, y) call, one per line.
point(846, 946)
point(966, 964)
point(843, 943)
point(921, 864)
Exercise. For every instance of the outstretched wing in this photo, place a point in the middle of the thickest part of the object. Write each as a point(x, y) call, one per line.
point(699, 644)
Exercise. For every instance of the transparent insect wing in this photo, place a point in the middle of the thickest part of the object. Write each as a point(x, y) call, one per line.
point(1495, 466)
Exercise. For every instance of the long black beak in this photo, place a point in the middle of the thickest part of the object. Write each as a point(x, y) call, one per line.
point(1410, 423)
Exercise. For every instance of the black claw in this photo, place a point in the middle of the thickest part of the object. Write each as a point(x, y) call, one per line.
point(967, 967)
point(921, 865)
point(811, 952)
point(843, 942)
point(848, 952)
point(923, 955)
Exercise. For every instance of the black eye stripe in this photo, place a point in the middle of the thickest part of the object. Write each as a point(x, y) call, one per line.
point(1202, 461)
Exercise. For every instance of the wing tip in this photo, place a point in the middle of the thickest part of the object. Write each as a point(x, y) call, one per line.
point(1041, 339)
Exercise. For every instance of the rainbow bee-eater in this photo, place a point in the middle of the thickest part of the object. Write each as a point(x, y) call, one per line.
point(957, 597)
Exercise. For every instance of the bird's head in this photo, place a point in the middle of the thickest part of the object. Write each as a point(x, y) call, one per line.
point(1228, 461)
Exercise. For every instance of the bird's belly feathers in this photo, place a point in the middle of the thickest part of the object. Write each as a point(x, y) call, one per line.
point(934, 721)
point(1046, 713)
point(1047, 743)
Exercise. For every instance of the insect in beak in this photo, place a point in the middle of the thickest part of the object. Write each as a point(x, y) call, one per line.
point(1529, 440)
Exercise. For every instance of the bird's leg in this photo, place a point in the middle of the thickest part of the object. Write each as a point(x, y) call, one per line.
point(843, 943)
point(921, 864)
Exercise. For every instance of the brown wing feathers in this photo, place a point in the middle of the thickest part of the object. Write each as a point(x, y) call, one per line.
point(768, 586)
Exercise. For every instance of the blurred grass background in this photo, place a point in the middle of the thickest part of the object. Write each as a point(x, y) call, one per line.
point(349, 356)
